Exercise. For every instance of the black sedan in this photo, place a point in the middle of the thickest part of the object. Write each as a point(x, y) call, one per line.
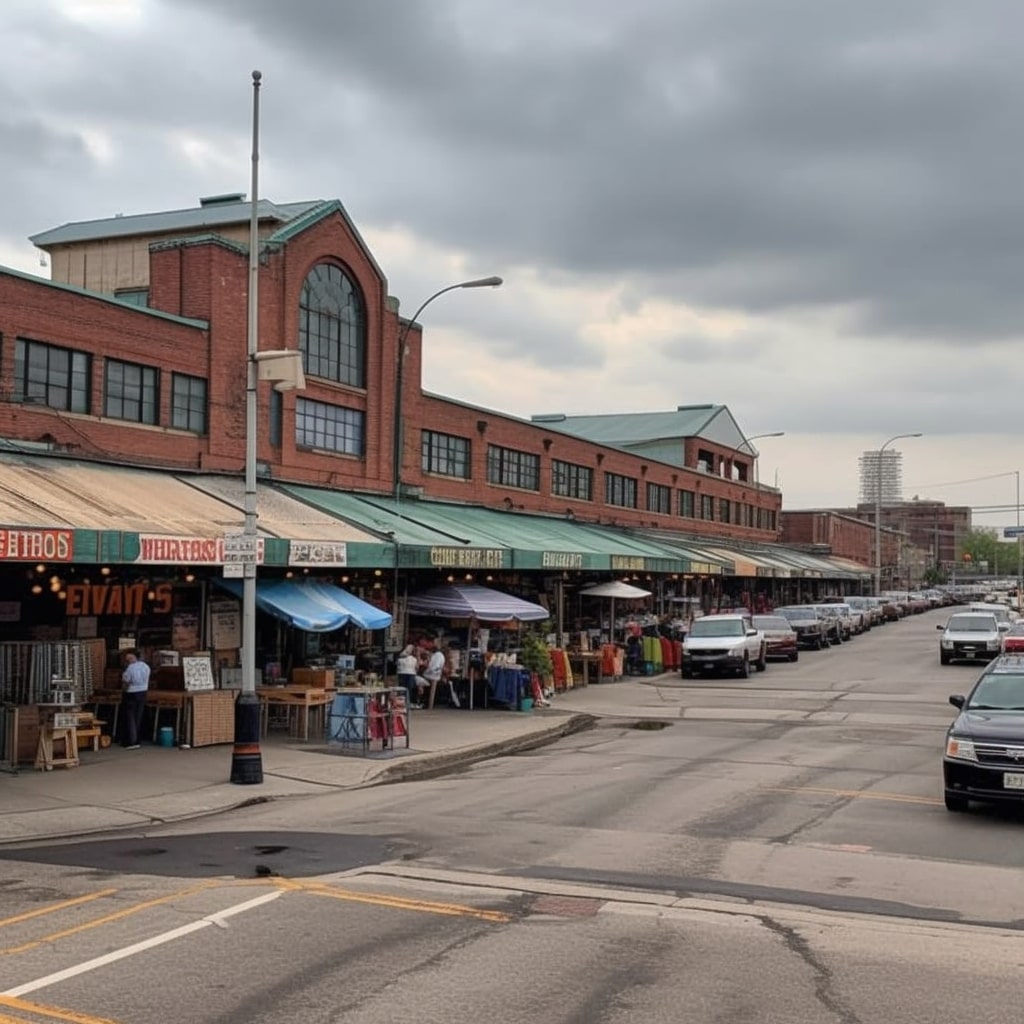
point(984, 758)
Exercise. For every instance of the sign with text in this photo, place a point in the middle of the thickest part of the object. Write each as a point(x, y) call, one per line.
point(332, 553)
point(468, 558)
point(198, 673)
point(159, 549)
point(561, 560)
point(26, 545)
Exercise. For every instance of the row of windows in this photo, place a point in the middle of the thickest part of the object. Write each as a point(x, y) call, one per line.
point(449, 455)
point(60, 378)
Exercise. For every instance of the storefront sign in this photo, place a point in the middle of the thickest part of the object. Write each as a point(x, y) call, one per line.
point(117, 598)
point(561, 560)
point(629, 563)
point(468, 558)
point(317, 552)
point(157, 549)
point(37, 545)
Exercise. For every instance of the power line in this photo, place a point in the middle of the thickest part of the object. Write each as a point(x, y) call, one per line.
point(957, 483)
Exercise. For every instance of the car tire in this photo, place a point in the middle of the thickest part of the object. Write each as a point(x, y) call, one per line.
point(744, 670)
point(819, 643)
point(955, 803)
point(762, 663)
point(794, 656)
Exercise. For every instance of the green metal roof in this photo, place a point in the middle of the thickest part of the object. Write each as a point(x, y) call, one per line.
point(213, 215)
point(619, 429)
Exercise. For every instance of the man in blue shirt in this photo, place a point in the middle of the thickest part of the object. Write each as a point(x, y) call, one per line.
point(135, 683)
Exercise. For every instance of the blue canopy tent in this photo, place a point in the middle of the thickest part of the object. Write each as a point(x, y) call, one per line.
point(312, 606)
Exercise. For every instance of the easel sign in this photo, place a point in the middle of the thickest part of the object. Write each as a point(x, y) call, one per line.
point(198, 673)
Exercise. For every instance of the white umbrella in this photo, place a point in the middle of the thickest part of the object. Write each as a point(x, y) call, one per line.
point(614, 589)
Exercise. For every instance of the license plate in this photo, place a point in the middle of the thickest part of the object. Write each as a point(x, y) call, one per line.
point(1013, 780)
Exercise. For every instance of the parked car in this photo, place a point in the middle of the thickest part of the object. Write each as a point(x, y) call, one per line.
point(871, 613)
point(984, 756)
point(808, 625)
point(723, 643)
point(891, 610)
point(969, 635)
point(835, 628)
point(779, 636)
point(1013, 639)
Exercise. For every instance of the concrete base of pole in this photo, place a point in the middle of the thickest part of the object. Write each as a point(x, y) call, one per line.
point(246, 759)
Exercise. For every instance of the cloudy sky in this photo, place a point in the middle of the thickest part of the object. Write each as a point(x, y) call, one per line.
point(807, 210)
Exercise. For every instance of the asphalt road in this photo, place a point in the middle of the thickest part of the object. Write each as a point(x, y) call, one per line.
point(781, 853)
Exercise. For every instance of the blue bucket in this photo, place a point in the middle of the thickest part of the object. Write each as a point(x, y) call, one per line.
point(165, 737)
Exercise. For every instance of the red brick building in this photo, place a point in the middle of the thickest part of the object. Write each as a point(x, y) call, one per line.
point(136, 351)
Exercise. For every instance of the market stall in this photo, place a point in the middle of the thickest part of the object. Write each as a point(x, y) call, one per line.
point(474, 605)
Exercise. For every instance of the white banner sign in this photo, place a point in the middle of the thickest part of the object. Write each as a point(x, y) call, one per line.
point(159, 549)
point(318, 552)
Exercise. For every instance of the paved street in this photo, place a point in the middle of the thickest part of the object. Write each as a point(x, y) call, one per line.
point(778, 850)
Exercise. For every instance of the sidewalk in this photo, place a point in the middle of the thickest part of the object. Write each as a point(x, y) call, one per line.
point(118, 789)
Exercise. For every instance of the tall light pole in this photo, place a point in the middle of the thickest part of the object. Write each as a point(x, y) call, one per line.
point(482, 282)
point(284, 369)
point(1020, 548)
point(757, 437)
point(878, 508)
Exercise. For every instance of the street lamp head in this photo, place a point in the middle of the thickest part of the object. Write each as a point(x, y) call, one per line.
point(482, 282)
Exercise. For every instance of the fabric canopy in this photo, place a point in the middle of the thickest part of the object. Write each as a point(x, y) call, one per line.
point(467, 601)
point(616, 588)
point(312, 606)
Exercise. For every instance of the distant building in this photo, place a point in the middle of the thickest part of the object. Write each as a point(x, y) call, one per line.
point(881, 477)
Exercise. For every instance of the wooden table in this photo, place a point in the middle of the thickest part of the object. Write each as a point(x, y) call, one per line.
point(301, 703)
point(586, 659)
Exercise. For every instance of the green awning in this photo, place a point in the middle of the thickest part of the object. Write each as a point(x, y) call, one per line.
point(438, 534)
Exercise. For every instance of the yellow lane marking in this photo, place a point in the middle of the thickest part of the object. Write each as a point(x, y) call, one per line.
point(97, 922)
point(54, 1012)
point(56, 906)
point(858, 794)
point(135, 908)
point(401, 903)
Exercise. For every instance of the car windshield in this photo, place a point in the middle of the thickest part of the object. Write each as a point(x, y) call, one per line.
point(798, 613)
point(771, 622)
point(717, 627)
point(971, 624)
point(998, 692)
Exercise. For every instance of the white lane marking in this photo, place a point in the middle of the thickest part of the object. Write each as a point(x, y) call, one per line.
point(141, 947)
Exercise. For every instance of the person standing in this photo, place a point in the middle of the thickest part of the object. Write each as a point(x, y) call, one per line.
point(135, 684)
point(407, 664)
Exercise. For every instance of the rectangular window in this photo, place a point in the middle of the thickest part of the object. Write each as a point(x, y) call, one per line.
point(332, 428)
point(619, 490)
point(707, 507)
point(444, 454)
point(724, 510)
point(50, 375)
point(188, 403)
point(569, 480)
point(136, 296)
point(130, 392)
point(659, 499)
point(686, 504)
point(511, 468)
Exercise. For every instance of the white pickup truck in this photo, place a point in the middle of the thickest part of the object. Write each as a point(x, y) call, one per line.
point(723, 643)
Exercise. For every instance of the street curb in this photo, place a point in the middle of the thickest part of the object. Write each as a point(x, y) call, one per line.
point(446, 761)
point(425, 766)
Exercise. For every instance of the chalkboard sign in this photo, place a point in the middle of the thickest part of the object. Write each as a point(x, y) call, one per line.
point(198, 673)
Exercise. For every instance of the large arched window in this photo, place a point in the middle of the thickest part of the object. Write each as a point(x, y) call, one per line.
point(332, 326)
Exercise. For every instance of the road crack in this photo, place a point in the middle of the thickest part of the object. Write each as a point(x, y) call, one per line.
point(824, 982)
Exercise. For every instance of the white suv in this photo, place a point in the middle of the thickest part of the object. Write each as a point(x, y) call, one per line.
point(723, 643)
point(970, 635)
